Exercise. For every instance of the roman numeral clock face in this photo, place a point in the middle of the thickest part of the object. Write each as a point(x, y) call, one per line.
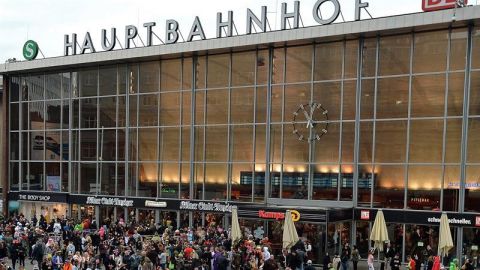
point(310, 122)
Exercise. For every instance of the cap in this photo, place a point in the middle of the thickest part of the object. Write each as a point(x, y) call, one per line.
point(309, 262)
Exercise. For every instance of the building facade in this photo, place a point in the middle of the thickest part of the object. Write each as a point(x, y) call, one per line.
point(344, 118)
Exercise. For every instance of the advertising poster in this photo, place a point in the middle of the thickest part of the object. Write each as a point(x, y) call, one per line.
point(53, 183)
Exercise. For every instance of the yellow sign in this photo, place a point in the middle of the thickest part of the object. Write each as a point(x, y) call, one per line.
point(295, 215)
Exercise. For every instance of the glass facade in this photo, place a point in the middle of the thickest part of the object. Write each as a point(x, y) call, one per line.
point(380, 122)
point(376, 122)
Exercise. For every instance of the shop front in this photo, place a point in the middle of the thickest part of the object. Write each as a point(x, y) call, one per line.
point(47, 204)
point(326, 229)
point(415, 232)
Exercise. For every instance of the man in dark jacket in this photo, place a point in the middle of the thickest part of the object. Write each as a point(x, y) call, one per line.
point(292, 260)
point(220, 261)
point(38, 252)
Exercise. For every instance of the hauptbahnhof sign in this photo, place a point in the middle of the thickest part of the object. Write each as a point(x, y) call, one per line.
point(172, 27)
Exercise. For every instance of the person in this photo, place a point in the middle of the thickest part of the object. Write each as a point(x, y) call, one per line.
point(21, 255)
point(266, 253)
point(292, 260)
point(410, 263)
point(220, 261)
point(336, 261)
point(67, 265)
point(147, 264)
point(57, 261)
point(270, 264)
point(14, 253)
point(355, 257)
point(427, 253)
point(301, 258)
point(418, 262)
point(429, 265)
point(308, 249)
point(436, 263)
point(326, 261)
point(389, 254)
point(163, 259)
point(454, 264)
point(395, 263)
point(47, 264)
point(346, 253)
point(309, 265)
point(370, 259)
point(468, 265)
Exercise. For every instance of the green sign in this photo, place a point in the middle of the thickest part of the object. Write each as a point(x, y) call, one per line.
point(30, 50)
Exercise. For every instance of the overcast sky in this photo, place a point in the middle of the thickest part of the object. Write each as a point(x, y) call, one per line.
point(48, 21)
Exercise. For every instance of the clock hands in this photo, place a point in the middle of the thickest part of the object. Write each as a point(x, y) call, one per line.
point(315, 133)
point(309, 117)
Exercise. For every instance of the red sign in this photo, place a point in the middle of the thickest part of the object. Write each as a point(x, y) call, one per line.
point(429, 5)
point(271, 215)
point(477, 221)
point(278, 215)
point(365, 215)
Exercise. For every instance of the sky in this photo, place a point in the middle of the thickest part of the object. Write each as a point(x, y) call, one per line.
point(48, 21)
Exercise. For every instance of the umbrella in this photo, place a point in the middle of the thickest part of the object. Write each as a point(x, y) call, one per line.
point(379, 233)
point(236, 233)
point(445, 242)
point(290, 236)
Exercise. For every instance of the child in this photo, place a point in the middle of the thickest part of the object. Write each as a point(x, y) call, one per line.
point(411, 263)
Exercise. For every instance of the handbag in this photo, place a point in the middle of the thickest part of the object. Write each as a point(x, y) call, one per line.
point(171, 266)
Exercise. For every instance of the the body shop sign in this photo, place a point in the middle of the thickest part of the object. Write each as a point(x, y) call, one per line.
point(430, 5)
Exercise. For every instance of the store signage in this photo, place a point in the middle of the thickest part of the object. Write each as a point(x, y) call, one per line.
point(109, 201)
point(155, 204)
point(38, 196)
point(278, 215)
point(30, 50)
point(430, 5)
point(462, 221)
point(172, 27)
point(422, 217)
point(206, 206)
point(35, 198)
point(365, 215)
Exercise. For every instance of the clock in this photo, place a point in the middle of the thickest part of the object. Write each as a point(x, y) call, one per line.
point(310, 122)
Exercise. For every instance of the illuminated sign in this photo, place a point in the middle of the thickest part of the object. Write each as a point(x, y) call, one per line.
point(430, 5)
point(109, 201)
point(155, 204)
point(365, 215)
point(477, 221)
point(206, 206)
point(109, 41)
point(278, 215)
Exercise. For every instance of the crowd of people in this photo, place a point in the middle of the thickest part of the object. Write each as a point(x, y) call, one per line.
point(66, 244)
